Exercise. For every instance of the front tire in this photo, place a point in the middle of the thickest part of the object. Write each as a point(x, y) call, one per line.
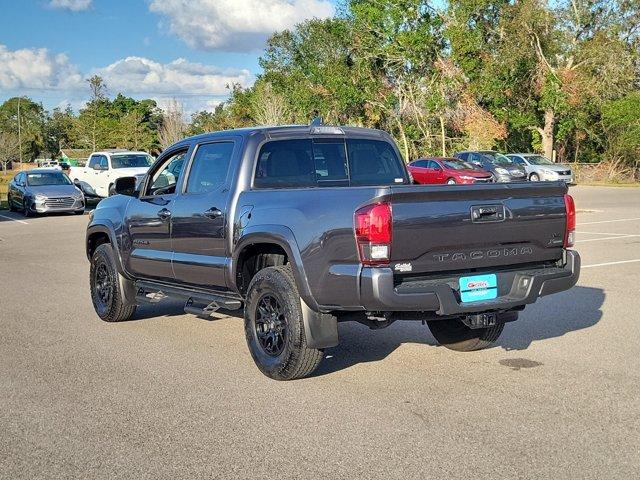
point(274, 326)
point(106, 290)
point(455, 335)
point(12, 207)
point(26, 210)
point(534, 177)
point(112, 190)
point(451, 181)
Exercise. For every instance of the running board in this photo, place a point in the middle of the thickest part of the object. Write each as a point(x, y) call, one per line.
point(196, 302)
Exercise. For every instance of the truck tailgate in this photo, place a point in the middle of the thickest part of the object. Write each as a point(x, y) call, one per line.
point(448, 228)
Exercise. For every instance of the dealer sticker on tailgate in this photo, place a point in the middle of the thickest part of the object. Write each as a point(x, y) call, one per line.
point(478, 287)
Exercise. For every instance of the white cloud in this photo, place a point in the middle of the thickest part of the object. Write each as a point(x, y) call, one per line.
point(235, 25)
point(36, 69)
point(178, 78)
point(54, 79)
point(73, 5)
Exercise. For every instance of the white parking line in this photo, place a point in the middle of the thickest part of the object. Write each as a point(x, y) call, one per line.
point(606, 238)
point(14, 219)
point(610, 221)
point(601, 233)
point(611, 263)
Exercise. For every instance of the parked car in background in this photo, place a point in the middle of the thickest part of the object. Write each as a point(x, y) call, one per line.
point(438, 170)
point(502, 168)
point(541, 168)
point(43, 190)
point(105, 167)
point(52, 164)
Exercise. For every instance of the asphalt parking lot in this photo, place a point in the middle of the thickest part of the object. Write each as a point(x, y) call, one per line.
point(169, 395)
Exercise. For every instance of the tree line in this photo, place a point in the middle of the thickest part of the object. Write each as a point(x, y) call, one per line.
point(558, 77)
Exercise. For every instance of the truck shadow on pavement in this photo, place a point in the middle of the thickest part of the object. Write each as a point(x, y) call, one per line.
point(554, 316)
point(550, 317)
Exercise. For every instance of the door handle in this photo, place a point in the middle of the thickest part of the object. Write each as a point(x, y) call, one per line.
point(164, 214)
point(212, 213)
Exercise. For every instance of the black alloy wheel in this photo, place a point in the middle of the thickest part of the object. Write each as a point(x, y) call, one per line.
point(103, 288)
point(270, 325)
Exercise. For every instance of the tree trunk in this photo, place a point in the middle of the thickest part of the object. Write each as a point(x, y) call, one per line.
point(547, 132)
point(444, 146)
point(404, 140)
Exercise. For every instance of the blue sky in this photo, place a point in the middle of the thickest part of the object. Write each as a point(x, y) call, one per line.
point(162, 49)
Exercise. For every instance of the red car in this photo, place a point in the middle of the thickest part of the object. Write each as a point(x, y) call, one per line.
point(446, 170)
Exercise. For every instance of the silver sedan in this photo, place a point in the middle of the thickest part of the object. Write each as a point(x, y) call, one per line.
point(540, 168)
point(44, 191)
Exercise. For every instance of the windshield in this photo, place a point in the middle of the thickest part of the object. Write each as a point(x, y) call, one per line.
point(136, 160)
point(498, 159)
point(458, 165)
point(47, 178)
point(538, 160)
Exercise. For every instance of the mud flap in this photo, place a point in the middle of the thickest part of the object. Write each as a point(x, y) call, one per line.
point(320, 329)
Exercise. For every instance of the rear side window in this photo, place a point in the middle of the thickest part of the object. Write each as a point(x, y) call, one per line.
point(373, 162)
point(286, 163)
point(327, 162)
point(210, 167)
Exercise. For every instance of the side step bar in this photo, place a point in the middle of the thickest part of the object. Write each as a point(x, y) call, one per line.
point(202, 304)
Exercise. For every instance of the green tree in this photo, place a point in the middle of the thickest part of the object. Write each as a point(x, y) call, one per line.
point(58, 130)
point(24, 118)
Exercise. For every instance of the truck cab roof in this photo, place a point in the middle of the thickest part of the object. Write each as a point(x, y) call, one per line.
point(282, 131)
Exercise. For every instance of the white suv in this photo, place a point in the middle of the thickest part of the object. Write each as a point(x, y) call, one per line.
point(104, 167)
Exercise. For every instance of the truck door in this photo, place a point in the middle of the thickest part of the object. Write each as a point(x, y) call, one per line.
point(96, 174)
point(148, 221)
point(199, 218)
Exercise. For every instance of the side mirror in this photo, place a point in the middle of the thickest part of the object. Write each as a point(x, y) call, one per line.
point(126, 186)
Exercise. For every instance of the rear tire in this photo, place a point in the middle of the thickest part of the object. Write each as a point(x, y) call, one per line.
point(274, 326)
point(455, 335)
point(106, 290)
point(451, 181)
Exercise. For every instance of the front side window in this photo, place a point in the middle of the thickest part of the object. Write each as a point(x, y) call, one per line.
point(165, 178)
point(47, 178)
point(93, 161)
point(136, 160)
point(210, 167)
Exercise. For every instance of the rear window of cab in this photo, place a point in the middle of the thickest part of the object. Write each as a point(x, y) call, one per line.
point(327, 162)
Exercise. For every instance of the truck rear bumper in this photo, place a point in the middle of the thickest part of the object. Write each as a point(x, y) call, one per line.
point(516, 288)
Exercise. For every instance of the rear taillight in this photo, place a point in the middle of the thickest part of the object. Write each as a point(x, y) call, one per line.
point(373, 233)
point(570, 231)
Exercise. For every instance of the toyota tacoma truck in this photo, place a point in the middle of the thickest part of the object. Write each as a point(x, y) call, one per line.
point(304, 227)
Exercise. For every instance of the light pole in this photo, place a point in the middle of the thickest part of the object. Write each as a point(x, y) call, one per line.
point(19, 134)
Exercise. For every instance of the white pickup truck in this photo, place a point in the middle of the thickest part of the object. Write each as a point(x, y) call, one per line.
point(103, 168)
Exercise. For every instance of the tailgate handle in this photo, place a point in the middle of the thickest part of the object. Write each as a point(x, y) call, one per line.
point(487, 213)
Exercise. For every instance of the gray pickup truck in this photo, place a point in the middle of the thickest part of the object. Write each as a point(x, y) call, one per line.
point(308, 226)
